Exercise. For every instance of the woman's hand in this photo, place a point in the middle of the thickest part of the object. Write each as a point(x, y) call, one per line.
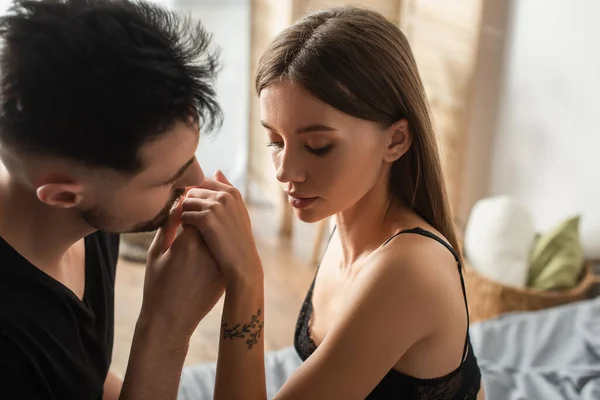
point(217, 210)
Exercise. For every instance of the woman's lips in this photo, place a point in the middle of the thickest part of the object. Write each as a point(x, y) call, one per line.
point(301, 202)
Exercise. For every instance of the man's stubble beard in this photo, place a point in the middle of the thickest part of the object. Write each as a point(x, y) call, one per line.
point(100, 219)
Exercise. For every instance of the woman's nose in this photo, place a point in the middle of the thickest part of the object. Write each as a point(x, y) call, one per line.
point(289, 167)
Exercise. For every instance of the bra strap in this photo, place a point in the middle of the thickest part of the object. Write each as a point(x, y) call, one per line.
point(423, 232)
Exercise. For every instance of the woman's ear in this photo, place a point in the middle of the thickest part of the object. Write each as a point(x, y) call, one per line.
point(399, 139)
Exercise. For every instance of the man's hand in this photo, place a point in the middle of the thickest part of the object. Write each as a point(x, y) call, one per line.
point(182, 285)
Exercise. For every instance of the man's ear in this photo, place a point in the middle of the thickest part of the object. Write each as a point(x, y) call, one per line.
point(61, 195)
point(399, 140)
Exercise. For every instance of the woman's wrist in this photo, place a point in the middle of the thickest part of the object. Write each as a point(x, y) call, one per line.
point(245, 282)
point(246, 277)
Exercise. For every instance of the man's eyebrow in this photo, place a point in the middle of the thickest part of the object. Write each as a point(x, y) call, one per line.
point(180, 172)
point(305, 129)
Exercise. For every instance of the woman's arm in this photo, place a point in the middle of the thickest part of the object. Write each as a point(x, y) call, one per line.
point(217, 210)
point(240, 366)
point(392, 307)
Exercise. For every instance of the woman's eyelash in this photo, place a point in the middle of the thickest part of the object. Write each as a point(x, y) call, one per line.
point(318, 152)
point(277, 145)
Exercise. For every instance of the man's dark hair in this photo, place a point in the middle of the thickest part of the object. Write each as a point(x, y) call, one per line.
point(93, 80)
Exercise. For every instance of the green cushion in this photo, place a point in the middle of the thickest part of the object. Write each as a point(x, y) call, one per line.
point(556, 258)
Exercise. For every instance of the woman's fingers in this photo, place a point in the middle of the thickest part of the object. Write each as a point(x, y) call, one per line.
point(192, 203)
point(198, 219)
point(220, 177)
point(218, 186)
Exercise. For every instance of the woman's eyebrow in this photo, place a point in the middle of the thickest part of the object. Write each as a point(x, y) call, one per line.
point(305, 129)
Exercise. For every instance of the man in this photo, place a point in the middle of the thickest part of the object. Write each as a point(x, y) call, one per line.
point(101, 105)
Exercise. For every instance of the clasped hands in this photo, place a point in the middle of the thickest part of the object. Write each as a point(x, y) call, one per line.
point(187, 273)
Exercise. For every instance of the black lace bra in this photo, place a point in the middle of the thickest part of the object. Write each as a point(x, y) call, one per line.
point(461, 384)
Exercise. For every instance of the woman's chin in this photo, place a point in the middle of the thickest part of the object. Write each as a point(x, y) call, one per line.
point(309, 216)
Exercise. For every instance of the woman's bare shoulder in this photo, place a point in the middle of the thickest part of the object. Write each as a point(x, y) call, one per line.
point(415, 253)
point(416, 265)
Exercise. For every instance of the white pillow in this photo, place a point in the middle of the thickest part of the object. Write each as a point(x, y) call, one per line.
point(498, 239)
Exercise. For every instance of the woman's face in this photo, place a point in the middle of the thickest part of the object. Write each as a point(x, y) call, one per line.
point(327, 160)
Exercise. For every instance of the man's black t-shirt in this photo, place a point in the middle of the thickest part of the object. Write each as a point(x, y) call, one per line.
point(53, 345)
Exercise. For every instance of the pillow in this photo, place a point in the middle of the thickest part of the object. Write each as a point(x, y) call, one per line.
point(498, 239)
point(557, 258)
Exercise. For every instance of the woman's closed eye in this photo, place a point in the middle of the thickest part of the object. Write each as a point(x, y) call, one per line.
point(318, 151)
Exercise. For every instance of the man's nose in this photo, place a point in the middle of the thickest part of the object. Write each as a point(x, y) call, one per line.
point(194, 176)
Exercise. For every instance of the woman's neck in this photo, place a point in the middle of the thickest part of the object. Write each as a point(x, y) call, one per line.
point(366, 225)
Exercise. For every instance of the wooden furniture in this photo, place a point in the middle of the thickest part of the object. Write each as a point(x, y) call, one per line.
point(488, 298)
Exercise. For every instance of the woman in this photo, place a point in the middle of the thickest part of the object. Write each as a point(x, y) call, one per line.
point(386, 317)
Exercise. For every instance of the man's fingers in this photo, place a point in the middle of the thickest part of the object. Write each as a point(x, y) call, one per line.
point(165, 236)
point(155, 249)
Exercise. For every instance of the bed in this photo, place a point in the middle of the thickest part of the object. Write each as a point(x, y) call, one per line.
point(543, 355)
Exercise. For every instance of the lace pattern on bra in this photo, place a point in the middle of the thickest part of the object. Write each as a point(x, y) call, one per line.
point(303, 341)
